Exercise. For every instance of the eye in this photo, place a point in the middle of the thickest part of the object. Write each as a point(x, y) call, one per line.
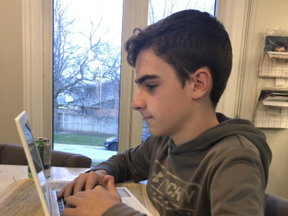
point(151, 87)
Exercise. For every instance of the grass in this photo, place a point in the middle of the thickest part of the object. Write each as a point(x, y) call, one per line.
point(95, 163)
point(76, 139)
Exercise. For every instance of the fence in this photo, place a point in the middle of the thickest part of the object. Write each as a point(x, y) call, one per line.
point(68, 122)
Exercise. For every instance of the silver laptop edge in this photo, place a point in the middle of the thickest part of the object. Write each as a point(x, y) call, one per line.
point(27, 140)
point(50, 206)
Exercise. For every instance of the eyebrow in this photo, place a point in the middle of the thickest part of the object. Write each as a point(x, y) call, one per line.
point(145, 77)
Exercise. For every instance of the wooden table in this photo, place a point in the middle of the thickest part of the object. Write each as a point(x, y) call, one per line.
point(21, 198)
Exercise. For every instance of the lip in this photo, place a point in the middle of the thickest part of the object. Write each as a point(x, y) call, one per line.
point(146, 118)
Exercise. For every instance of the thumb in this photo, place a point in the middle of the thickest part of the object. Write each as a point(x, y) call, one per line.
point(111, 187)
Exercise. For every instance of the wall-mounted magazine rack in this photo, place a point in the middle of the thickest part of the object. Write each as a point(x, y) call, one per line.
point(272, 109)
point(274, 64)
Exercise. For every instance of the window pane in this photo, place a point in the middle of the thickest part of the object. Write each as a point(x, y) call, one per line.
point(86, 76)
point(159, 9)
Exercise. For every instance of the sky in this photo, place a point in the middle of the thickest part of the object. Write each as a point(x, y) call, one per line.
point(111, 13)
point(109, 10)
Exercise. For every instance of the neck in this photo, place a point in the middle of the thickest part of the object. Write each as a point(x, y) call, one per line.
point(196, 125)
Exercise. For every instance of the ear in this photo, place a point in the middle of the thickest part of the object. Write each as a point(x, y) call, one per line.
point(201, 83)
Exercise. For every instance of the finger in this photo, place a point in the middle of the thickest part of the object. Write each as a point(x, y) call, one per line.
point(80, 183)
point(69, 212)
point(106, 180)
point(72, 201)
point(68, 189)
point(80, 194)
point(92, 180)
point(111, 187)
point(61, 192)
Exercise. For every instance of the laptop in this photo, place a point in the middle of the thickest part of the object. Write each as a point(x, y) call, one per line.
point(48, 197)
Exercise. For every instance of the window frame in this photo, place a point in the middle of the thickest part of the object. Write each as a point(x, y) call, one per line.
point(33, 66)
point(37, 64)
point(235, 16)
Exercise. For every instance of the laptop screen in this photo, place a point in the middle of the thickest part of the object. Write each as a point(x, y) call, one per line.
point(37, 170)
point(32, 154)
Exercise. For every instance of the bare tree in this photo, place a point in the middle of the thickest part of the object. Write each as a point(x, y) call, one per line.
point(80, 68)
point(161, 9)
point(74, 70)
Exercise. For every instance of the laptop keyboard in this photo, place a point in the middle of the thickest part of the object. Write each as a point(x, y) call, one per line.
point(123, 193)
point(61, 203)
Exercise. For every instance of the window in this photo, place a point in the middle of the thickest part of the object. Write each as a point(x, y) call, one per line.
point(130, 127)
point(159, 9)
point(86, 72)
point(86, 76)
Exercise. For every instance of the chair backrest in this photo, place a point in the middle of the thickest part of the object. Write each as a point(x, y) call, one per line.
point(13, 154)
point(65, 159)
point(275, 206)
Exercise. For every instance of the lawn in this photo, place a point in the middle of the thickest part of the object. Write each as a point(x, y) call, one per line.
point(95, 163)
point(76, 139)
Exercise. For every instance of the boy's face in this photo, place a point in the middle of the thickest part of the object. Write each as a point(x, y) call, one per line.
point(164, 104)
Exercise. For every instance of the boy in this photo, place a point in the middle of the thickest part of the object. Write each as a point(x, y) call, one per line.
point(280, 46)
point(197, 162)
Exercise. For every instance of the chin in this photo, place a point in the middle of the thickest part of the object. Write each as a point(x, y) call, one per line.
point(156, 133)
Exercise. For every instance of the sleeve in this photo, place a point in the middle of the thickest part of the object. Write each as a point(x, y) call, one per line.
point(132, 164)
point(238, 185)
point(122, 209)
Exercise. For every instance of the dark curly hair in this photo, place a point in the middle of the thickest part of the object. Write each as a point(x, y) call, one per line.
point(280, 43)
point(187, 40)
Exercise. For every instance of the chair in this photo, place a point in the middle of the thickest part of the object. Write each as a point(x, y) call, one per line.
point(13, 154)
point(65, 159)
point(275, 206)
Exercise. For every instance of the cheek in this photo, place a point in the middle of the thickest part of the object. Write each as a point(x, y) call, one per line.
point(172, 101)
point(168, 106)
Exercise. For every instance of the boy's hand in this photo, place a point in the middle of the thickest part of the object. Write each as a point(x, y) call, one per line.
point(92, 202)
point(85, 181)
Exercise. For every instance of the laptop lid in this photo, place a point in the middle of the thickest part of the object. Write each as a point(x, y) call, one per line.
point(41, 182)
point(34, 160)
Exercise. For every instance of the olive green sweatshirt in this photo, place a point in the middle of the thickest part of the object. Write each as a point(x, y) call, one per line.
point(222, 172)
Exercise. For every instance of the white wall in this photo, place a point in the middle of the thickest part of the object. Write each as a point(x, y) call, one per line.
point(264, 15)
point(11, 78)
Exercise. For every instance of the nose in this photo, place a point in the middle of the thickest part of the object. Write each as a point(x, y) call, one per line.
point(138, 102)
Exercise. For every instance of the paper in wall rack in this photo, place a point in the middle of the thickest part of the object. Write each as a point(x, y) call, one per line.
point(272, 109)
point(274, 98)
point(274, 64)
